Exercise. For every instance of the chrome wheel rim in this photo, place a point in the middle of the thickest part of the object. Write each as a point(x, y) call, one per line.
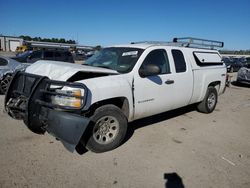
point(211, 100)
point(106, 130)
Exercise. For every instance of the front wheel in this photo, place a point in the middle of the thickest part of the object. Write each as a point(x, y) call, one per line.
point(108, 128)
point(209, 102)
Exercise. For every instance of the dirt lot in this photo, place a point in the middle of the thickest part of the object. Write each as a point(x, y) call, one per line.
point(175, 149)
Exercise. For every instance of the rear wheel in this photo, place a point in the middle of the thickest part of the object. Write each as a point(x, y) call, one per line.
point(209, 102)
point(107, 129)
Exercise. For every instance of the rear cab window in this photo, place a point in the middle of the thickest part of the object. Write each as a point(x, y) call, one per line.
point(179, 61)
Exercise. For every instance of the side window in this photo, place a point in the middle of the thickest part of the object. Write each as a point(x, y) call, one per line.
point(209, 58)
point(159, 58)
point(179, 61)
point(3, 62)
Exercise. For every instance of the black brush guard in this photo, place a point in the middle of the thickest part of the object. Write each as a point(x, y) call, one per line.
point(29, 99)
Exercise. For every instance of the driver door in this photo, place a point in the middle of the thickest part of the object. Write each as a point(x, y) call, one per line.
point(154, 94)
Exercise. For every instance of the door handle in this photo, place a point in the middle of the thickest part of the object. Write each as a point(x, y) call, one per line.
point(169, 82)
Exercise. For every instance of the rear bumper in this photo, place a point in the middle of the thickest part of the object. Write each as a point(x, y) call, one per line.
point(27, 99)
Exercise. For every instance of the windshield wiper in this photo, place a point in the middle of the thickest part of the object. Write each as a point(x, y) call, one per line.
point(101, 66)
point(87, 65)
point(106, 67)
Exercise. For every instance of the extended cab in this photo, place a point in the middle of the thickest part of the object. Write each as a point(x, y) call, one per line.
point(91, 104)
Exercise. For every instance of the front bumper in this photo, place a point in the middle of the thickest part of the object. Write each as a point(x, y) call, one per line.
point(27, 99)
point(67, 127)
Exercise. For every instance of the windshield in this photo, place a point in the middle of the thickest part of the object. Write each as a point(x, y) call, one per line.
point(117, 58)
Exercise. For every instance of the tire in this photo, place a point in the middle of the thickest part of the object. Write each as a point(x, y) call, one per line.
point(209, 102)
point(107, 129)
point(4, 83)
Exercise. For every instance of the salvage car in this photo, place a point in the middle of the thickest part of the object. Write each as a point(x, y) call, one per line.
point(247, 61)
point(233, 64)
point(7, 67)
point(91, 104)
point(243, 75)
point(44, 54)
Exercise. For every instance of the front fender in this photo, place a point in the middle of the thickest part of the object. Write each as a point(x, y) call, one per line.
point(108, 87)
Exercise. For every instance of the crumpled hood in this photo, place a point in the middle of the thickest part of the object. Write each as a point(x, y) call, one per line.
point(62, 71)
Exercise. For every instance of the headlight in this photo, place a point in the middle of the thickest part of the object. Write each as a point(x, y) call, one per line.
point(68, 98)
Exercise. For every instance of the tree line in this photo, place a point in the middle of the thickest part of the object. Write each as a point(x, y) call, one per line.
point(235, 52)
point(56, 40)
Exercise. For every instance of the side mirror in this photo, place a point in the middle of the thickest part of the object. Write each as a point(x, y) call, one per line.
point(149, 70)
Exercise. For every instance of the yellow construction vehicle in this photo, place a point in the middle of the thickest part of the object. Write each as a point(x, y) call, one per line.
point(21, 48)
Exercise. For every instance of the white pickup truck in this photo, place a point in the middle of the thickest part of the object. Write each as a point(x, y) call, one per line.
point(91, 104)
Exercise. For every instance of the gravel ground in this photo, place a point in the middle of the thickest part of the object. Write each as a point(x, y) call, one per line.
point(181, 148)
point(7, 54)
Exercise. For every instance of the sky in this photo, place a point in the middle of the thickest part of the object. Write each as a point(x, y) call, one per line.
point(108, 22)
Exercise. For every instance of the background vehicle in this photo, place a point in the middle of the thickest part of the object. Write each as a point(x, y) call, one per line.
point(247, 61)
point(243, 75)
point(79, 55)
point(233, 64)
point(90, 53)
point(7, 68)
point(91, 104)
point(45, 54)
point(21, 49)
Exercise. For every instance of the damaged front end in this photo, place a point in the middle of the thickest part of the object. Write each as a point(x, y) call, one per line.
point(243, 75)
point(48, 105)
